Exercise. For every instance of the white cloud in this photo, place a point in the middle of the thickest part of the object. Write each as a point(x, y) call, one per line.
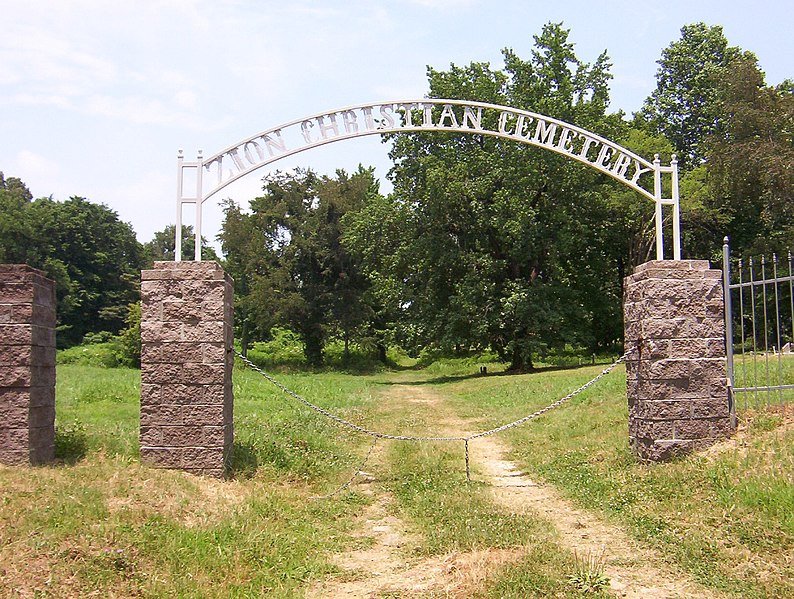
point(40, 173)
point(24, 99)
point(444, 4)
point(186, 99)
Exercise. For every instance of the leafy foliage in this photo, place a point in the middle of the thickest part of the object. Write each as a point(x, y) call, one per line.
point(93, 257)
point(750, 158)
point(163, 245)
point(288, 262)
point(684, 106)
point(489, 243)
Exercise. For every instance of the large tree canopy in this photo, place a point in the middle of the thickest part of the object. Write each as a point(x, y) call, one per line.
point(684, 106)
point(745, 188)
point(288, 262)
point(491, 243)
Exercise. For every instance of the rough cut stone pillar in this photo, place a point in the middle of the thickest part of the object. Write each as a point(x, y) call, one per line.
point(675, 367)
point(186, 367)
point(27, 365)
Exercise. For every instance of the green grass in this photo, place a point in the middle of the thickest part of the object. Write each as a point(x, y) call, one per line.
point(97, 409)
point(98, 521)
point(725, 518)
point(758, 370)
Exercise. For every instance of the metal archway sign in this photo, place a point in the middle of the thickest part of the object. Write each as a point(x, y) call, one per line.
point(212, 174)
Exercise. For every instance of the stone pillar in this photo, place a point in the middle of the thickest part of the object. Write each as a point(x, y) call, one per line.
point(675, 367)
point(27, 365)
point(186, 367)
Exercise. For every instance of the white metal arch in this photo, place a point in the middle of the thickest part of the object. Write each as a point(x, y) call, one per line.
point(214, 173)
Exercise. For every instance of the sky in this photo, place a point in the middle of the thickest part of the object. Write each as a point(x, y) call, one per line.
point(98, 96)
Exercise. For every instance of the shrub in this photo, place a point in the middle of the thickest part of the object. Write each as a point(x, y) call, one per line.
point(129, 340)
point(105, 355)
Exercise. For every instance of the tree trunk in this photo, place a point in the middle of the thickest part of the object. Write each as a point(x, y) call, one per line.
point(382, 353)
point(244, 338)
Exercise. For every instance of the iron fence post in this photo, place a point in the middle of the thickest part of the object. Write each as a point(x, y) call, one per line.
point(726, 290)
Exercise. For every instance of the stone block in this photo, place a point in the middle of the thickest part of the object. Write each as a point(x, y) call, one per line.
point(16, 292)
point(663, 450)
point(184, 435)
point(184, 458)
point(27, 365)
point(42, 444)
point(695, 428)
point(42, 417)
point(663, 409)
point(186, 392)
point(206, 331)
point(159, 373)
point(675, 369)
point(710, 407)
point(184, 414)
point(181, 311)
point(26, 355)
point(204, 374)
point(14, 438)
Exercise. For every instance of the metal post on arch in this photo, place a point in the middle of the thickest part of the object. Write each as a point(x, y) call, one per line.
point(428, 114)
point(673, 201)
point(184, 167)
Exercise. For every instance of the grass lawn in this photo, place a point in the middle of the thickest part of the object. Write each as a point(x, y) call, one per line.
point(726, 516)
point(99, 522)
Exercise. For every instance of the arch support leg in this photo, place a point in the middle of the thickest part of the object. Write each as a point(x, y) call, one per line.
point(27, 365)
point(675, 366)
point(186, 367)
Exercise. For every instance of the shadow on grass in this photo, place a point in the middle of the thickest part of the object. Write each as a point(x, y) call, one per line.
point(244, 462)
point(71, 443)
point(440, 380)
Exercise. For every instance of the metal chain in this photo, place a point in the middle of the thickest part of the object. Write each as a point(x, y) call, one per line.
point(336, 418)
point(556, 404)
point(379, 435)
point(349, 481)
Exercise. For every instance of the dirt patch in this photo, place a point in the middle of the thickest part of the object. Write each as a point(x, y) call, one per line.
point(385, 563)
point(192, 501)
point(414, 395)
point(633, 571)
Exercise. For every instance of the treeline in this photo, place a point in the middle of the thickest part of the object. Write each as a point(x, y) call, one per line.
point(490, 244)
point(483, 244)
point(93, 257)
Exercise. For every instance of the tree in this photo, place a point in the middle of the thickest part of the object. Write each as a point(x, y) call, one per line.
point(288, 261)
point(492, 243)
point(93, 257)
point(162, 246)
point(16, 231)
point(684, 106)
point(102, 259)
point(750, 176)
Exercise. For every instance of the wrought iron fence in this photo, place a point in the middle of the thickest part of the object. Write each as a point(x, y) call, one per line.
point(759, 329)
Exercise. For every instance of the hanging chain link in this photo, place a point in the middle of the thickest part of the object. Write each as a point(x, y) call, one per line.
point(336, 418)
point(355, 474)
point(378, 435)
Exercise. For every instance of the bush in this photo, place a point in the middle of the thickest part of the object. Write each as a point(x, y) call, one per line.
point(129, 340)
point(284, 349)
point(95, 338)
point(105, 355)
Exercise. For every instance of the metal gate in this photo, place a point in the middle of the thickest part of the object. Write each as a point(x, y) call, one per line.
point(759, 329)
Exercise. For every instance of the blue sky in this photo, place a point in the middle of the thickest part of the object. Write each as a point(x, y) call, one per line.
point(97, 96)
